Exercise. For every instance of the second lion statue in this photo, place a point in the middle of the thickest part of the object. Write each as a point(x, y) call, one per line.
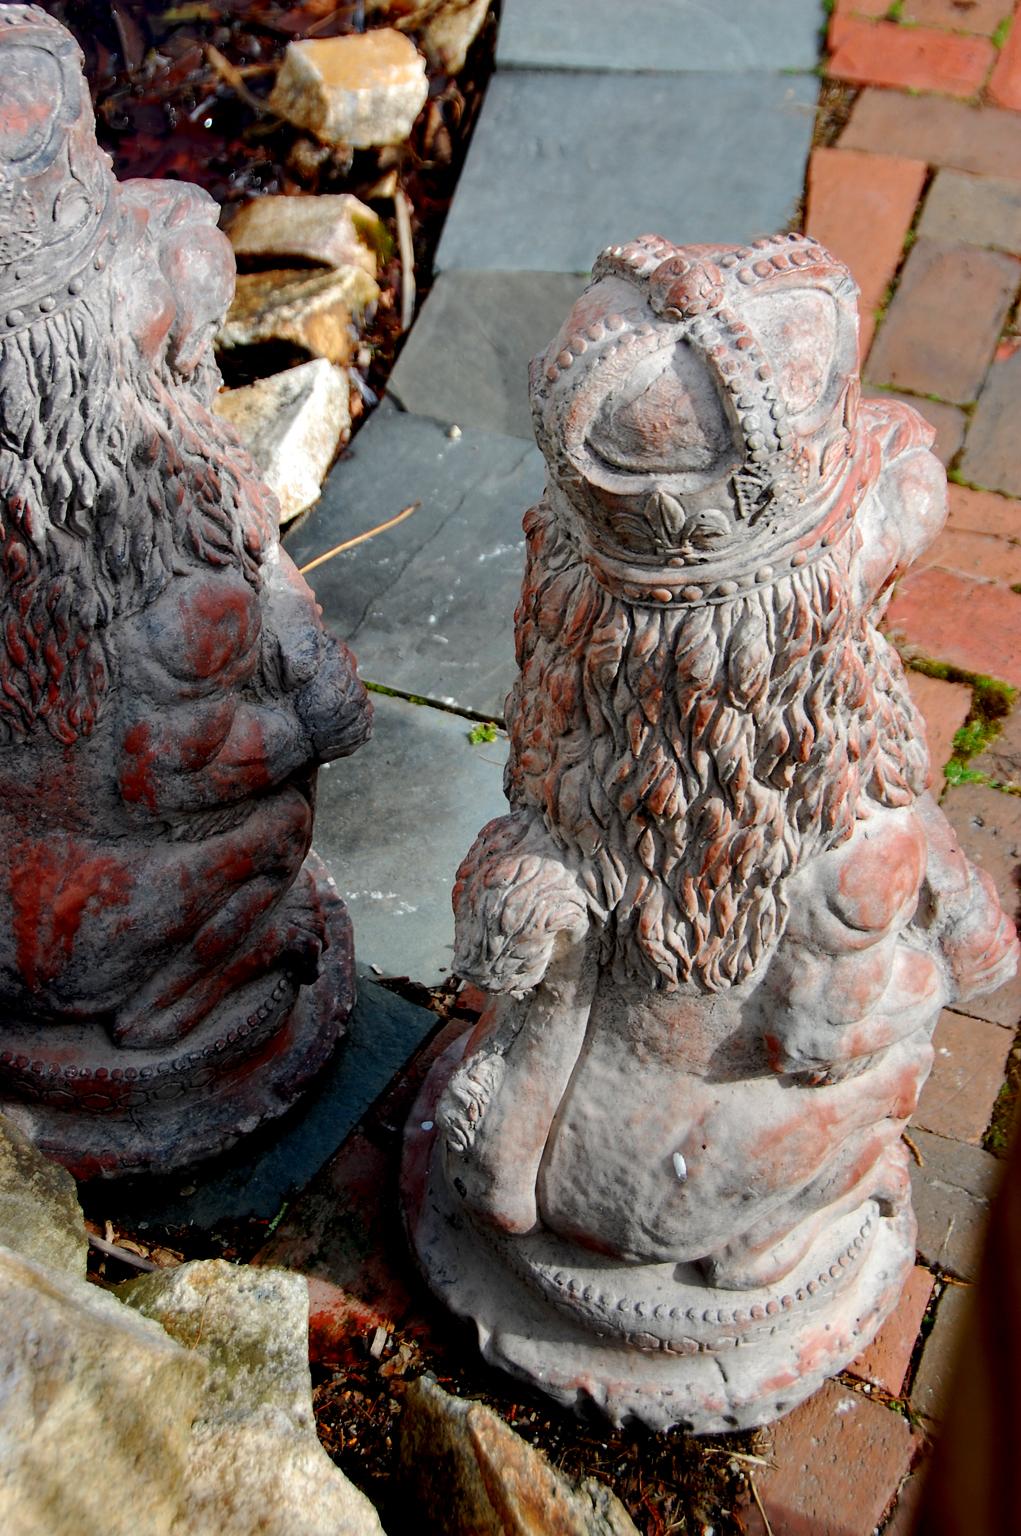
point(665, 1172)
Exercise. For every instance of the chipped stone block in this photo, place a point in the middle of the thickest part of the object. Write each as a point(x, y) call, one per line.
point(312, 311)
point(333, 230)
point(364, 90)
point(292, 424)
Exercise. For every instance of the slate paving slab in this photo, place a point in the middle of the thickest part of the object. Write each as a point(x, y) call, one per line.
point(394, 822)
point(268, 1168)
point(428, 606)
point(680, 35)
point(562, 165)
point(466, 361)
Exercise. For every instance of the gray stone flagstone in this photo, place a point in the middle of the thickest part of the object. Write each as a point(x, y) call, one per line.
point(680, 35)
point(466, 360)
point(395, 827)
point(563, 164)
point(427, 606)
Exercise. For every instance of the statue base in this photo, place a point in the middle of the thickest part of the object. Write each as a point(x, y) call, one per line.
point(655, 1342)
point(104, 1111)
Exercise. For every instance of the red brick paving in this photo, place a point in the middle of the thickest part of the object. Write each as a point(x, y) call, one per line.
point(941, 330)
point(1005, 82)
point(860, 207)
point(983, 16)
point(992, 453)
point(974, 625)
point(981, 538)
point(839, 1460)
point(978, 209)
point(885, 1362)
point(967, 1072)
point(944, 707)
point(912, 58)
point(986, 140)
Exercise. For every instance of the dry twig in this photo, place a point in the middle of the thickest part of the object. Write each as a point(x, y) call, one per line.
point(338, 549)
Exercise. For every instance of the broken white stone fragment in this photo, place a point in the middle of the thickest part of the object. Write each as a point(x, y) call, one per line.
point(292, 424)
point(363, 90)
point(254, 1460)
point(451, 28)
point(330, 231)
point(96, 1410)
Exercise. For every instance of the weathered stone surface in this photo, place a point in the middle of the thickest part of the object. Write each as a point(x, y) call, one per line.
point(986, 140)
point(292, 424)
point(427, 607)
point(941, 330)
point(399, 854)
point(451, 29)
point(332, 230)
point(944, 707)
point(967, 1074)
point(40, 1217)
point(885, 1362)
point(948, 421)
point(933, 1381)
point(266, 1172)
point(552, 173)
point(679, 35)
point(365, 89)
point(174, 971)
point(839, 1460)
point(254, 1462)
point(952, 1192)
point(992, 454)
point(313, 311)
point(469, 1474)
point(982, 210)
point(466, 360)
point(593, 1175)
point(988, 826)
point(96, 1410)
point(915, 58)
point(860, 207)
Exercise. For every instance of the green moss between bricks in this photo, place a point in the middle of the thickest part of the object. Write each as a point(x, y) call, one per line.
point(991, 701)
point(1002, 31)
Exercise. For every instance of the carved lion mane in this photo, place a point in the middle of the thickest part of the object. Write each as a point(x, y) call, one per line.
point(687, 761)
point(113, 478)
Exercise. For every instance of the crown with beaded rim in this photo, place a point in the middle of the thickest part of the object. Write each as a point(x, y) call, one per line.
point(56, 206)
point(698, 414)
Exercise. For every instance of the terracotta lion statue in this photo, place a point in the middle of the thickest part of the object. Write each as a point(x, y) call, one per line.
point(722, 914)
point(167, 687)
